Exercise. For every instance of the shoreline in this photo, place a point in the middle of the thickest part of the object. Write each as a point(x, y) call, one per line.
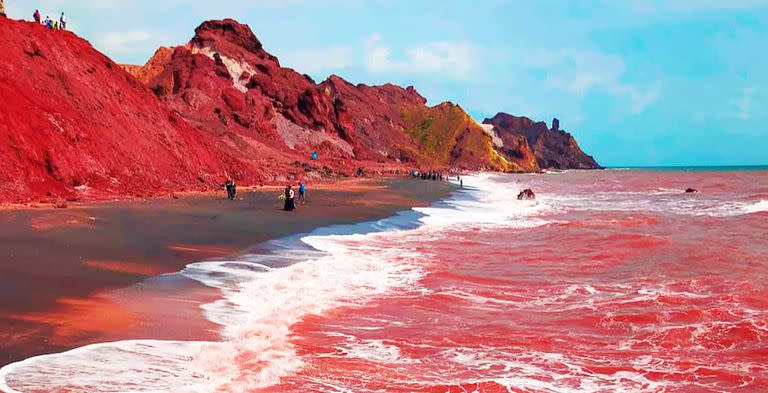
point(91, 278)
point(105, 199)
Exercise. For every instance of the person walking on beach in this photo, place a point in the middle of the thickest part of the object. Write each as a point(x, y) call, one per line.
point(36, 15)
point(231, 188)
point(290, 199)
point(302, 193)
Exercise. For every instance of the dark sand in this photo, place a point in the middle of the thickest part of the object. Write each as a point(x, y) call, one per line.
point(83, 275)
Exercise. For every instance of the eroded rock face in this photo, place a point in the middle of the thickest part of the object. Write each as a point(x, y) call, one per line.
point(395, 122)
point(553, 148)
point(375, 115)
point(224, 81)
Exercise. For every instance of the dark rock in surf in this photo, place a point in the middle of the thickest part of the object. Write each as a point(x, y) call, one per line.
point(526, 194)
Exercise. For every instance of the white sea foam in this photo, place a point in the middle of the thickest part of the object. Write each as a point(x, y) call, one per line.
point(761, 206)
point(659, 201)
point(532, 371)
point(261, 303)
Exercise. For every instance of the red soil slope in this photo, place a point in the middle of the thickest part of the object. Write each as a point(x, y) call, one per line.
point(74, 125)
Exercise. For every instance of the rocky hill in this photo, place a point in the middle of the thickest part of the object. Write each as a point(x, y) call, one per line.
point(553, 148)
point(75, 125)
point(396, 123)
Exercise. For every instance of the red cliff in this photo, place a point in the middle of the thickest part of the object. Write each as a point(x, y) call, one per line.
point(75, 125)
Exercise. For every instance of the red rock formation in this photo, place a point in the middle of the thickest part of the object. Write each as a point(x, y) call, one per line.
point(553, 148)
point(224, 82)
point(376, 115)
point(74, 125)
point(395, 122)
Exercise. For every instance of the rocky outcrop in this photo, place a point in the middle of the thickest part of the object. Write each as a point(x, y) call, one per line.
point(552, 148)
point(375, 116)
point(396, 123)
point(224, 82)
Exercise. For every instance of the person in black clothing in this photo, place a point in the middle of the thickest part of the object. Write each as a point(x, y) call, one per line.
point(231, 189)
point(290, 199)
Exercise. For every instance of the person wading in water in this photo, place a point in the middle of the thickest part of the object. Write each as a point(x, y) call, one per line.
point(290, 199)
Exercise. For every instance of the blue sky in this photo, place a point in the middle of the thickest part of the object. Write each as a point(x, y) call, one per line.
point(675, 82)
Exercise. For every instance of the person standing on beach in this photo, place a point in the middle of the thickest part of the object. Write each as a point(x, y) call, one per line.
point(233, 194)
point(302, 193)
point(231, 188)
point(290, 199)
point(63, 22)
point(36, 15)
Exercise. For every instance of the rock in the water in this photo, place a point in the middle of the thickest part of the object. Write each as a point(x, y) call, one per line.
point(526, 194)
point(691, 191)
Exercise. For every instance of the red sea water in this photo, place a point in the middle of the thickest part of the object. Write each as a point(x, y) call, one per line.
point(611, 281)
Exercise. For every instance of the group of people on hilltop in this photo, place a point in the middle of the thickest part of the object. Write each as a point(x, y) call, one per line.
point(51, 24)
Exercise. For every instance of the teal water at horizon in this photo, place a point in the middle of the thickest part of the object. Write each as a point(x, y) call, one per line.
point(725, 168)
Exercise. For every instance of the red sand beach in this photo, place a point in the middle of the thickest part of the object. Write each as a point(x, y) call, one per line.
point(69, 275)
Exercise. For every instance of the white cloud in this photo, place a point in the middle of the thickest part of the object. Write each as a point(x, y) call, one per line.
point(318, 60)
point(123, 42)
point(581, 72)
point(453, 58)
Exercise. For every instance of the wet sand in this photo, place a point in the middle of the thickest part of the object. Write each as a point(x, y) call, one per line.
point(94, 273)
